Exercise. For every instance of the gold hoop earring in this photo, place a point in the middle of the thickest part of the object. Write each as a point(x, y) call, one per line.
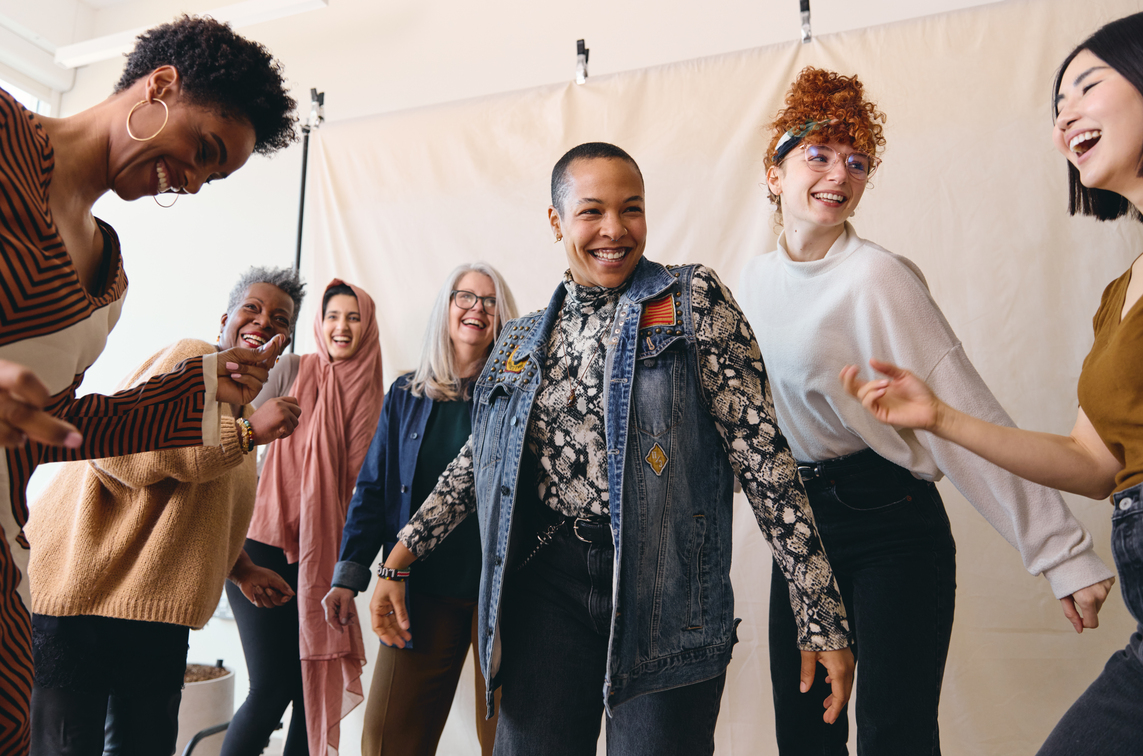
point(559, 238)
point(166, 115)
point(166, 207)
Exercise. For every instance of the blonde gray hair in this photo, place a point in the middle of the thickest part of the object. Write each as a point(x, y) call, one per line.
point(437, 375)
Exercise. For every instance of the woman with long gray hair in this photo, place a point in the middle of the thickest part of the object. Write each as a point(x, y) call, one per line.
point(425, 421)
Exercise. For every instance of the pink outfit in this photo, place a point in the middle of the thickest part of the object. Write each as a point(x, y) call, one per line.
point(303, 495)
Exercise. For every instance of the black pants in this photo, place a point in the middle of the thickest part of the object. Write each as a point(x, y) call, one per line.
point(888, 539)
point(270, 643)
point(106, 686)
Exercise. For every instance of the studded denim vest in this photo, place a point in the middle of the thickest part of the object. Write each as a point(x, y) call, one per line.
point(670, 487)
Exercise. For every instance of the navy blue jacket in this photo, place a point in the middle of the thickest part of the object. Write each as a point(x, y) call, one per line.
point(383, 498)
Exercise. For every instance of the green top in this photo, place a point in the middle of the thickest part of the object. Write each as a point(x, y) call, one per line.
point(453, 568)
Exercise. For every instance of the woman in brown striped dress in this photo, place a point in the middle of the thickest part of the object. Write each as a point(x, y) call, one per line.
point(194, 102)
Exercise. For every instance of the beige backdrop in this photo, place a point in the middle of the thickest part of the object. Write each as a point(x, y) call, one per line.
point(971, 189)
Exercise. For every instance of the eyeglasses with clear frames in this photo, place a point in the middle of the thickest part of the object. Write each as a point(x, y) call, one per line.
point(821, 159)
point(466, 300)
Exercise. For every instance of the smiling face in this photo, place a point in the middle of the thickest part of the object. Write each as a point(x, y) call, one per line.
point(197, 144)
point(264, 312)
point(1099, 126)
point(602, 222)
point(342, 327)
point(474, 327)
point(811, 200)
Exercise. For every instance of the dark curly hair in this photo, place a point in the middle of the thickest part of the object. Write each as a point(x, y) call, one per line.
point(221, 70)
point(820, 95)
point(1119, 44)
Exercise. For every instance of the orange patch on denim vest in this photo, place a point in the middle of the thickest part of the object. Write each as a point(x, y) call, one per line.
point(660, 312)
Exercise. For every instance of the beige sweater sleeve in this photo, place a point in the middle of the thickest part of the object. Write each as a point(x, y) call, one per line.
point(194, 464)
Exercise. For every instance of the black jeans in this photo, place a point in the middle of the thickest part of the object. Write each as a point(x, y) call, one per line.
point(273, 659)
point(888, 538)
point(106, 686)
point(557, 622)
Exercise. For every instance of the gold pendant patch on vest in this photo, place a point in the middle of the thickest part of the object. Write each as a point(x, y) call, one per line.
point(657, 459)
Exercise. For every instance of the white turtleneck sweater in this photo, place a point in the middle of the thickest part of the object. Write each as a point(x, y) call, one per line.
point(860, 301)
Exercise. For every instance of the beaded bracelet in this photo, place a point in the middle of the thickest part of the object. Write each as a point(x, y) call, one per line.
point(246, 435)
point(387, 573)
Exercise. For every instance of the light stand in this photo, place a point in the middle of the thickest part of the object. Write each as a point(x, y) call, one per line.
point(313, 121)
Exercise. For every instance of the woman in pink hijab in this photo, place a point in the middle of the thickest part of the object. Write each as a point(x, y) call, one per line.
point(303, 493)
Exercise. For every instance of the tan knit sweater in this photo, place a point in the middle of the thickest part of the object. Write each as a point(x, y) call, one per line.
point(147, 536)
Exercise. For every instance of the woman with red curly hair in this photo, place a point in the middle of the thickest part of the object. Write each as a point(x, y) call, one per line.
point(823, 299)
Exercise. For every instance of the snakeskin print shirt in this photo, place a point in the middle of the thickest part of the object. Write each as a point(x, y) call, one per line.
point(566, 436)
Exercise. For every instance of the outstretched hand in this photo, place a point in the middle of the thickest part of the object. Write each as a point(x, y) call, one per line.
point(243, 371)
point(22, 417)
point(1082, 607)
point(901, 398)
point(839, 666)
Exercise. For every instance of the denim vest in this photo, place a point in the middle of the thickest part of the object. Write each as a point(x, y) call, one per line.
point(669, 480)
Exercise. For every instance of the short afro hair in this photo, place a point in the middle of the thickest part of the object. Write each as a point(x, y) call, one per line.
point(585, 151)
point(286, 279)
point(820, 95)
point(220, 70)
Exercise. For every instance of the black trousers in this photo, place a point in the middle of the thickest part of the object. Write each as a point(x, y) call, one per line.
point(106, 686)
point(270, 643)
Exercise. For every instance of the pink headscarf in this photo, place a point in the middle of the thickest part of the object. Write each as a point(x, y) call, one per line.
point(303, 496)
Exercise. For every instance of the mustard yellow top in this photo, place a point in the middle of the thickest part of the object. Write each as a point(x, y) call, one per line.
point(1111, 384)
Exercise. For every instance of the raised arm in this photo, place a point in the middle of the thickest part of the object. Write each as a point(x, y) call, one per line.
point(166, 410)
point(196, 464)
point(1080, 462)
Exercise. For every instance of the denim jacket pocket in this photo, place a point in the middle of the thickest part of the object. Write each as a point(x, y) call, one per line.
point(489, 418)
point(661, 377)
point(697, 578)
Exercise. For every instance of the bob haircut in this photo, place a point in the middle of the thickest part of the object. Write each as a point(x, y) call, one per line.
point(222, 71)
point(437, 375)
point(837, 103)
point(1119, 44)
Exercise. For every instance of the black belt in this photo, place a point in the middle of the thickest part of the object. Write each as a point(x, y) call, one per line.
point(839, 467)
point(591, 529)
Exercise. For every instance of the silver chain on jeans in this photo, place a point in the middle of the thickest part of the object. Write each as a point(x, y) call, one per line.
point(543, 538)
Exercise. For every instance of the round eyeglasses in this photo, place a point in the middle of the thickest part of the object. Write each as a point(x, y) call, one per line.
point(466, 300)
point(821, 159)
